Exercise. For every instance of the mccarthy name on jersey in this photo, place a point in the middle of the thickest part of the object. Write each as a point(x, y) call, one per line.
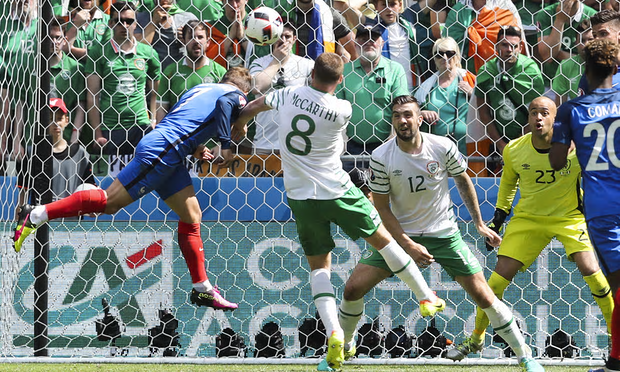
point(314, 108)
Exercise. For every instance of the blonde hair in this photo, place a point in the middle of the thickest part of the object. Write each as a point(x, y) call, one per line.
point(448, 43)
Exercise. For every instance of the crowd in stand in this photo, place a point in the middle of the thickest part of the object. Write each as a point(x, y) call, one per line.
point(475, 65)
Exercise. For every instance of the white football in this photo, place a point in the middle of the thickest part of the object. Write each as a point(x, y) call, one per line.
point(263, 26)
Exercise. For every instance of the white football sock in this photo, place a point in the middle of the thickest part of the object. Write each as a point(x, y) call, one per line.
point(505, 325)
point(203, 287)
point(38, 215)
point(349, 315)
point(403, 266)
point(325, 300)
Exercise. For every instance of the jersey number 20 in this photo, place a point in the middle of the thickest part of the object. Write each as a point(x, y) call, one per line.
point(601, 137)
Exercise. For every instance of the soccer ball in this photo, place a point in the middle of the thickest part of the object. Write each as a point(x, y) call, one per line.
point(263, 26)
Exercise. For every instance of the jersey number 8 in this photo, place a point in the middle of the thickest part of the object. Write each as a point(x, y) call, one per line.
point(303, 134)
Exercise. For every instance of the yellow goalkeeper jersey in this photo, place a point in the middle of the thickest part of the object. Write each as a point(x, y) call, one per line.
point(544, 192)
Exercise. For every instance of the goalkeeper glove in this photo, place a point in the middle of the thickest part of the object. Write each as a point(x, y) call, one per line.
point(496, 224)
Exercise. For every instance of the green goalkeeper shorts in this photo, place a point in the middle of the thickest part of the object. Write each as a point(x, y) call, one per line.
point(451, 253)
point(355, 215)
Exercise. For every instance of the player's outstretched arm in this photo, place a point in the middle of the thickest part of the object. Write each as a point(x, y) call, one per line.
point(468, 193)
point(240, 126)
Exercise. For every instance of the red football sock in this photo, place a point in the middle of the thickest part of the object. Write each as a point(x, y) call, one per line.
point(79, 203)
point(190, 243)
point(615, 328)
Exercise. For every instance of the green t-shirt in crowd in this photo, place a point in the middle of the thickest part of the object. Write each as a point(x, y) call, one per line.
point(452, 122)
point(20, 58)
point(123, 82)
point(68, 83)
point(566, 80)
point(545, 19)
point(528, 10)
point(97, 31)
point(371, 96)
point(178, 78)
point(509, 93)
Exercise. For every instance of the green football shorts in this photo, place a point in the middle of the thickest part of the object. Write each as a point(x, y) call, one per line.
point(355, 215)
point(451, 253)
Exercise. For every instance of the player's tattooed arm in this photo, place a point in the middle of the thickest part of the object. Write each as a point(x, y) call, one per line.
point(468, 193)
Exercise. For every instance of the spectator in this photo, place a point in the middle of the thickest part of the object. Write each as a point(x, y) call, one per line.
point(445, 96)
point(565, 83)
point(205, 10)
point(599, 5)
point(605, 25)
point(558, 25)
point(370, 84)
point(120, 75)
point(320, 28)
point(9, 22)
point(60, 7)
point(228, 44)
point(88, 25)
point(66, 166)
point(67, 82)
point(354, 10)
point(426, 16)
point(160, 27)
point(20, 53)
point(399, 38)
point(195, 69)
point(280, 69)
point(505, 87)
point(474, 25)
point(528, 9)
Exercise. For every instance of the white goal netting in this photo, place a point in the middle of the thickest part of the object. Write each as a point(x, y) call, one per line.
point(132, 259)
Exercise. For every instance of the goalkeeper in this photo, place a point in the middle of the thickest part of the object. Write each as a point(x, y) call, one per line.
point(550, 205)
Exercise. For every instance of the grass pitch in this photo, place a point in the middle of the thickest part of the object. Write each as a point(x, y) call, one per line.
point(35, 367)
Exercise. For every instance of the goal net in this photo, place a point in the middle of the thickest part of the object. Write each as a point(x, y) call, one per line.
point(132, 261)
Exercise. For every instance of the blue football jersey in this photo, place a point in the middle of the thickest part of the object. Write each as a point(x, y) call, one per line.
point(592, 122)
point(583, 83)
point(203, 112)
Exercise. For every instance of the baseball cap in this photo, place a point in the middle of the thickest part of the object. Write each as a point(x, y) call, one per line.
point(369, 30)
point(57, 103)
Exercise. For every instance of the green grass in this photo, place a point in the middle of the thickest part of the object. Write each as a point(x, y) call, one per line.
point(25, 367)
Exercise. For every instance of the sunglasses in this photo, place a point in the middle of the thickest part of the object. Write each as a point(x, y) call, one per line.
point(445, 54)
point(127, 21)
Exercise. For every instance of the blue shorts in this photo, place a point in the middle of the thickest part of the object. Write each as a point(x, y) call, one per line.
point(605, 236)
point(156, 166)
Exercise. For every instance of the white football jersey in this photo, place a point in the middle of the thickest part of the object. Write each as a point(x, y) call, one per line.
point(418, 184)
point(312, 127)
